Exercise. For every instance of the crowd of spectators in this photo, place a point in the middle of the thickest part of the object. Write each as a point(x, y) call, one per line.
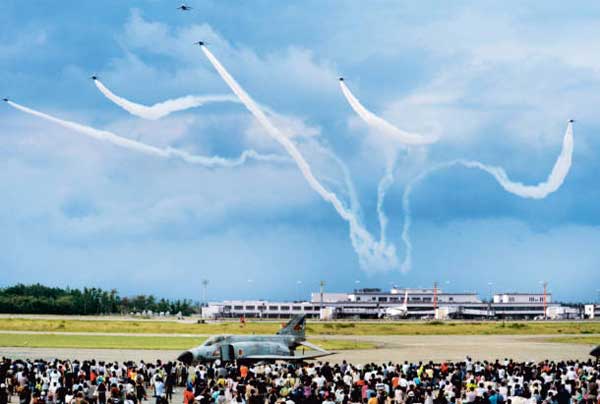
point(468, 381)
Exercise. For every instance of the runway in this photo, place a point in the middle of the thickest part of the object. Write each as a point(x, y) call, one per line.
point(389, 348)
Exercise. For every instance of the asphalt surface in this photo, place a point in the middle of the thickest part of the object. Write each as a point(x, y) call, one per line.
point(389, 348)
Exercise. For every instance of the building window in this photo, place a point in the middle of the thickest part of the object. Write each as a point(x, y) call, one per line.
point(273, 308)
point(383, 299)
point(296, 308)
point(283, 308)
point(249, 307)
point(238, 307)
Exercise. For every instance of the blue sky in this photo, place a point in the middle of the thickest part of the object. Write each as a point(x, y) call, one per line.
point(496, 81)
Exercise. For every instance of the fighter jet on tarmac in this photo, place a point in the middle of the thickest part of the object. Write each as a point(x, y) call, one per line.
point(183, 7)
point(256, 348)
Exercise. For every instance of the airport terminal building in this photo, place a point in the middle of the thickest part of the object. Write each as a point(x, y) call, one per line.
point(372, 303)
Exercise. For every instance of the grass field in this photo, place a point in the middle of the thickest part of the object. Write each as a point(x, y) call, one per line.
point(313, 328)
point(576, 340)
point(137, 342)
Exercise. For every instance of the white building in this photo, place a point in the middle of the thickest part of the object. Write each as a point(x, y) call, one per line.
point(522, 298)
point(259, 309)
point(422, 302)
point(591, 311)
point(563, 313)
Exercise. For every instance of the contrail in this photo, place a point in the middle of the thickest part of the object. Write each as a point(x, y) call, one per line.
point(372, 255)
point(382, 125)
point(541, 190)
point(161, 109)
point(168, 152)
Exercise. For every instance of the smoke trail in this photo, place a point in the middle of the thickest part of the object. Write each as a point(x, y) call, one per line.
point(161, 109)
point(352, 194)
point(293, 127)
point(372, 255)
point(384, 185)
point(541, 190)
point(169, 152)
point(381, 124)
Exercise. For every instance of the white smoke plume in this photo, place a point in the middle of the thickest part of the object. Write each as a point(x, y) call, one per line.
point(161, 109)
point(384, 185)
point(169, 152)
point(382, 125)
point(373, 255)
point(291, 126)
point(541, 190)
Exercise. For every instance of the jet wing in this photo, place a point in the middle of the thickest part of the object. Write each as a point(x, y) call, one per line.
point(313, 347)
point(288, 357)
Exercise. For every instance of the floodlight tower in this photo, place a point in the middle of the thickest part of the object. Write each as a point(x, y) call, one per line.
point(204, 291)
point(322, 285)
point(545, 284)
point(435, 297)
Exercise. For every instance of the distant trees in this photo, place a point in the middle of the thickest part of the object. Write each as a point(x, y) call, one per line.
point(40, 299)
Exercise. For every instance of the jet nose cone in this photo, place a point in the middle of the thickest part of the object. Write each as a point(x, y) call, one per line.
point(596, 352)
point(187, 357)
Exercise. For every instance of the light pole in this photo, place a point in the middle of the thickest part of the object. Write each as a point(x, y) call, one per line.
point(545, 285)
point(322, 285)
point(491, 285)
point(204, 291)
point(299, 290)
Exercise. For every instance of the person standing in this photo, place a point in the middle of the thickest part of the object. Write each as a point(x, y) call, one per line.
point(159, 391)
point(3, 394)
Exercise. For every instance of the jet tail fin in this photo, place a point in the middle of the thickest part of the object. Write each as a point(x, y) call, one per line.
point(296, 327)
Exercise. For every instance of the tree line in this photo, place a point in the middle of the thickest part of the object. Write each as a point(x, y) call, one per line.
point(40, 299)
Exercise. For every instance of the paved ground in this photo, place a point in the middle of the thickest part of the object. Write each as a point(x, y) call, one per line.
point(394, 348)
